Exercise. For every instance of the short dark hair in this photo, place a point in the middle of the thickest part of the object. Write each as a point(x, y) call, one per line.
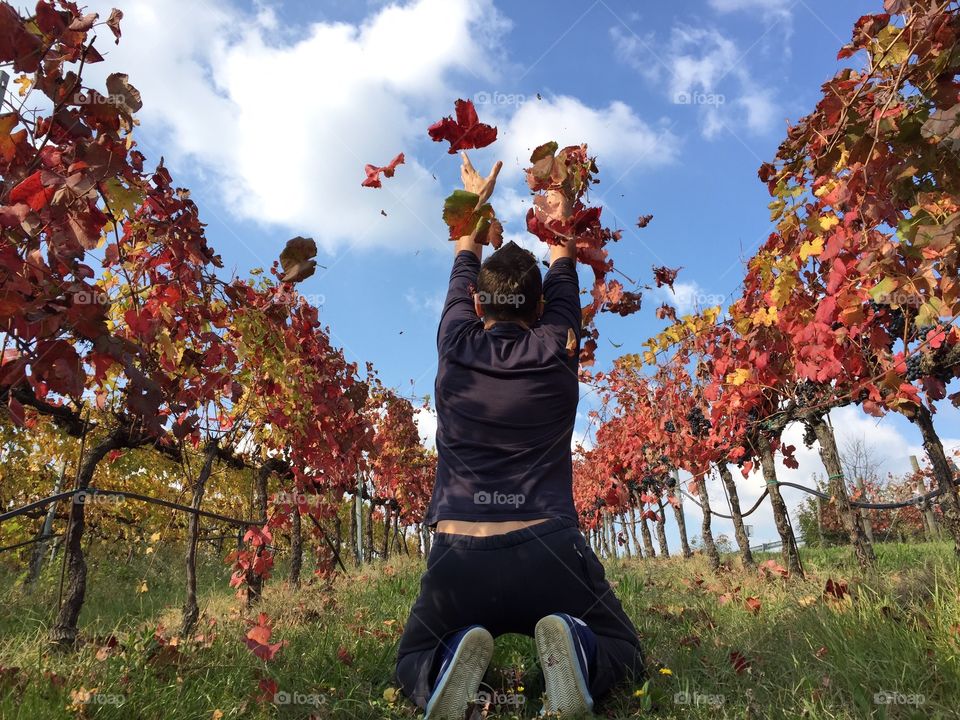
point(509, 285)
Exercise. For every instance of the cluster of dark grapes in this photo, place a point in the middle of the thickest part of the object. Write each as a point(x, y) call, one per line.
point(671, 481)
point(699, 425)
point(895, 320)
point(913, 367)
point(670, 427)
point(809, 436)
point(938, 366)
point(806, 393)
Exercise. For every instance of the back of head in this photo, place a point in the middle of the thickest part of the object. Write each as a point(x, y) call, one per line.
point(509, 285)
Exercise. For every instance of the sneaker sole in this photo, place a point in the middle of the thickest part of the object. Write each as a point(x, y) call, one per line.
point(459, 687)
point(566, 689)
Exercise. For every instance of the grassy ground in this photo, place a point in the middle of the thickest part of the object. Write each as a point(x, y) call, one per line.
point(890, 648)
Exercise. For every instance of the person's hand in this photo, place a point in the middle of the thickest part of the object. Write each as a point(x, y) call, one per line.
point(477, 184)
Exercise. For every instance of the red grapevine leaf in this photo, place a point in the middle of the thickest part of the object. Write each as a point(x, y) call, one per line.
point(373, 172)
point(344, 656)
point(665, 276)
point(739, 662)
point(464, 133)
point(32, 192)
point(113, 22)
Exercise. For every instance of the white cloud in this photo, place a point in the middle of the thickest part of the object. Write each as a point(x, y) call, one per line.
point(426, 420)
point(703, 70)
point(615, 134)
point(429, 303)
point(688, 297)
point(281, 126)
point(892, 450)
point(769, 9)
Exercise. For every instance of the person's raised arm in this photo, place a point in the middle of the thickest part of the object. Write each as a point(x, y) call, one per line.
point(481, 186)
point(458, 307)
point(561, 287)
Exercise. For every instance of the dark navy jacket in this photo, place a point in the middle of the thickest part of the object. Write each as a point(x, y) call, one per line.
point(506, 402)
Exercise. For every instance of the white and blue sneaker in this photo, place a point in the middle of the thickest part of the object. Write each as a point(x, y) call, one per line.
point(466, 656)
point(567, 648)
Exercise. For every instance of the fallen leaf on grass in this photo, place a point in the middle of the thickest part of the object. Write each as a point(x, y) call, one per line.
point(753, 604)
point(739, 662)
point(344, 656)
point(772, 567)
point(835, 589)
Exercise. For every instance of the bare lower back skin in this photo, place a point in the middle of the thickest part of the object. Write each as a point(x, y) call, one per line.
point(484, 529)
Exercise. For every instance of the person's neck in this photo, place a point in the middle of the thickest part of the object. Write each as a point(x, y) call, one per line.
point(487, 324)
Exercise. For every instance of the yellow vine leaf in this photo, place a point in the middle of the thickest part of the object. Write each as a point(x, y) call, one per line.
point(829, 221)
point(765, 317)
point(24, 82)
point(812, 249)
point(738, 377)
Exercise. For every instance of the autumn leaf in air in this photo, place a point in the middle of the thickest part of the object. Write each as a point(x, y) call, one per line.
point(464, 133)
point(373, 172)
point(463, 217)
point(665, 276)
point(297, 259)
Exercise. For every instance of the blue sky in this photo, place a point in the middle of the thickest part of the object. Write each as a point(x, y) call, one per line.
point(268, 111)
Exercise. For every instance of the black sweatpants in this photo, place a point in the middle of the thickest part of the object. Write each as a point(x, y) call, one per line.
point(506, 583)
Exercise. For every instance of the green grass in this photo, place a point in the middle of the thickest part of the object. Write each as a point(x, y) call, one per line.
point(898, 631)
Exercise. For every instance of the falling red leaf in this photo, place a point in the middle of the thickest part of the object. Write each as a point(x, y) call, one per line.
point(665, 276)
point(373, 172)
point(464, 133)
point(666, 311)
point(644, 220)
